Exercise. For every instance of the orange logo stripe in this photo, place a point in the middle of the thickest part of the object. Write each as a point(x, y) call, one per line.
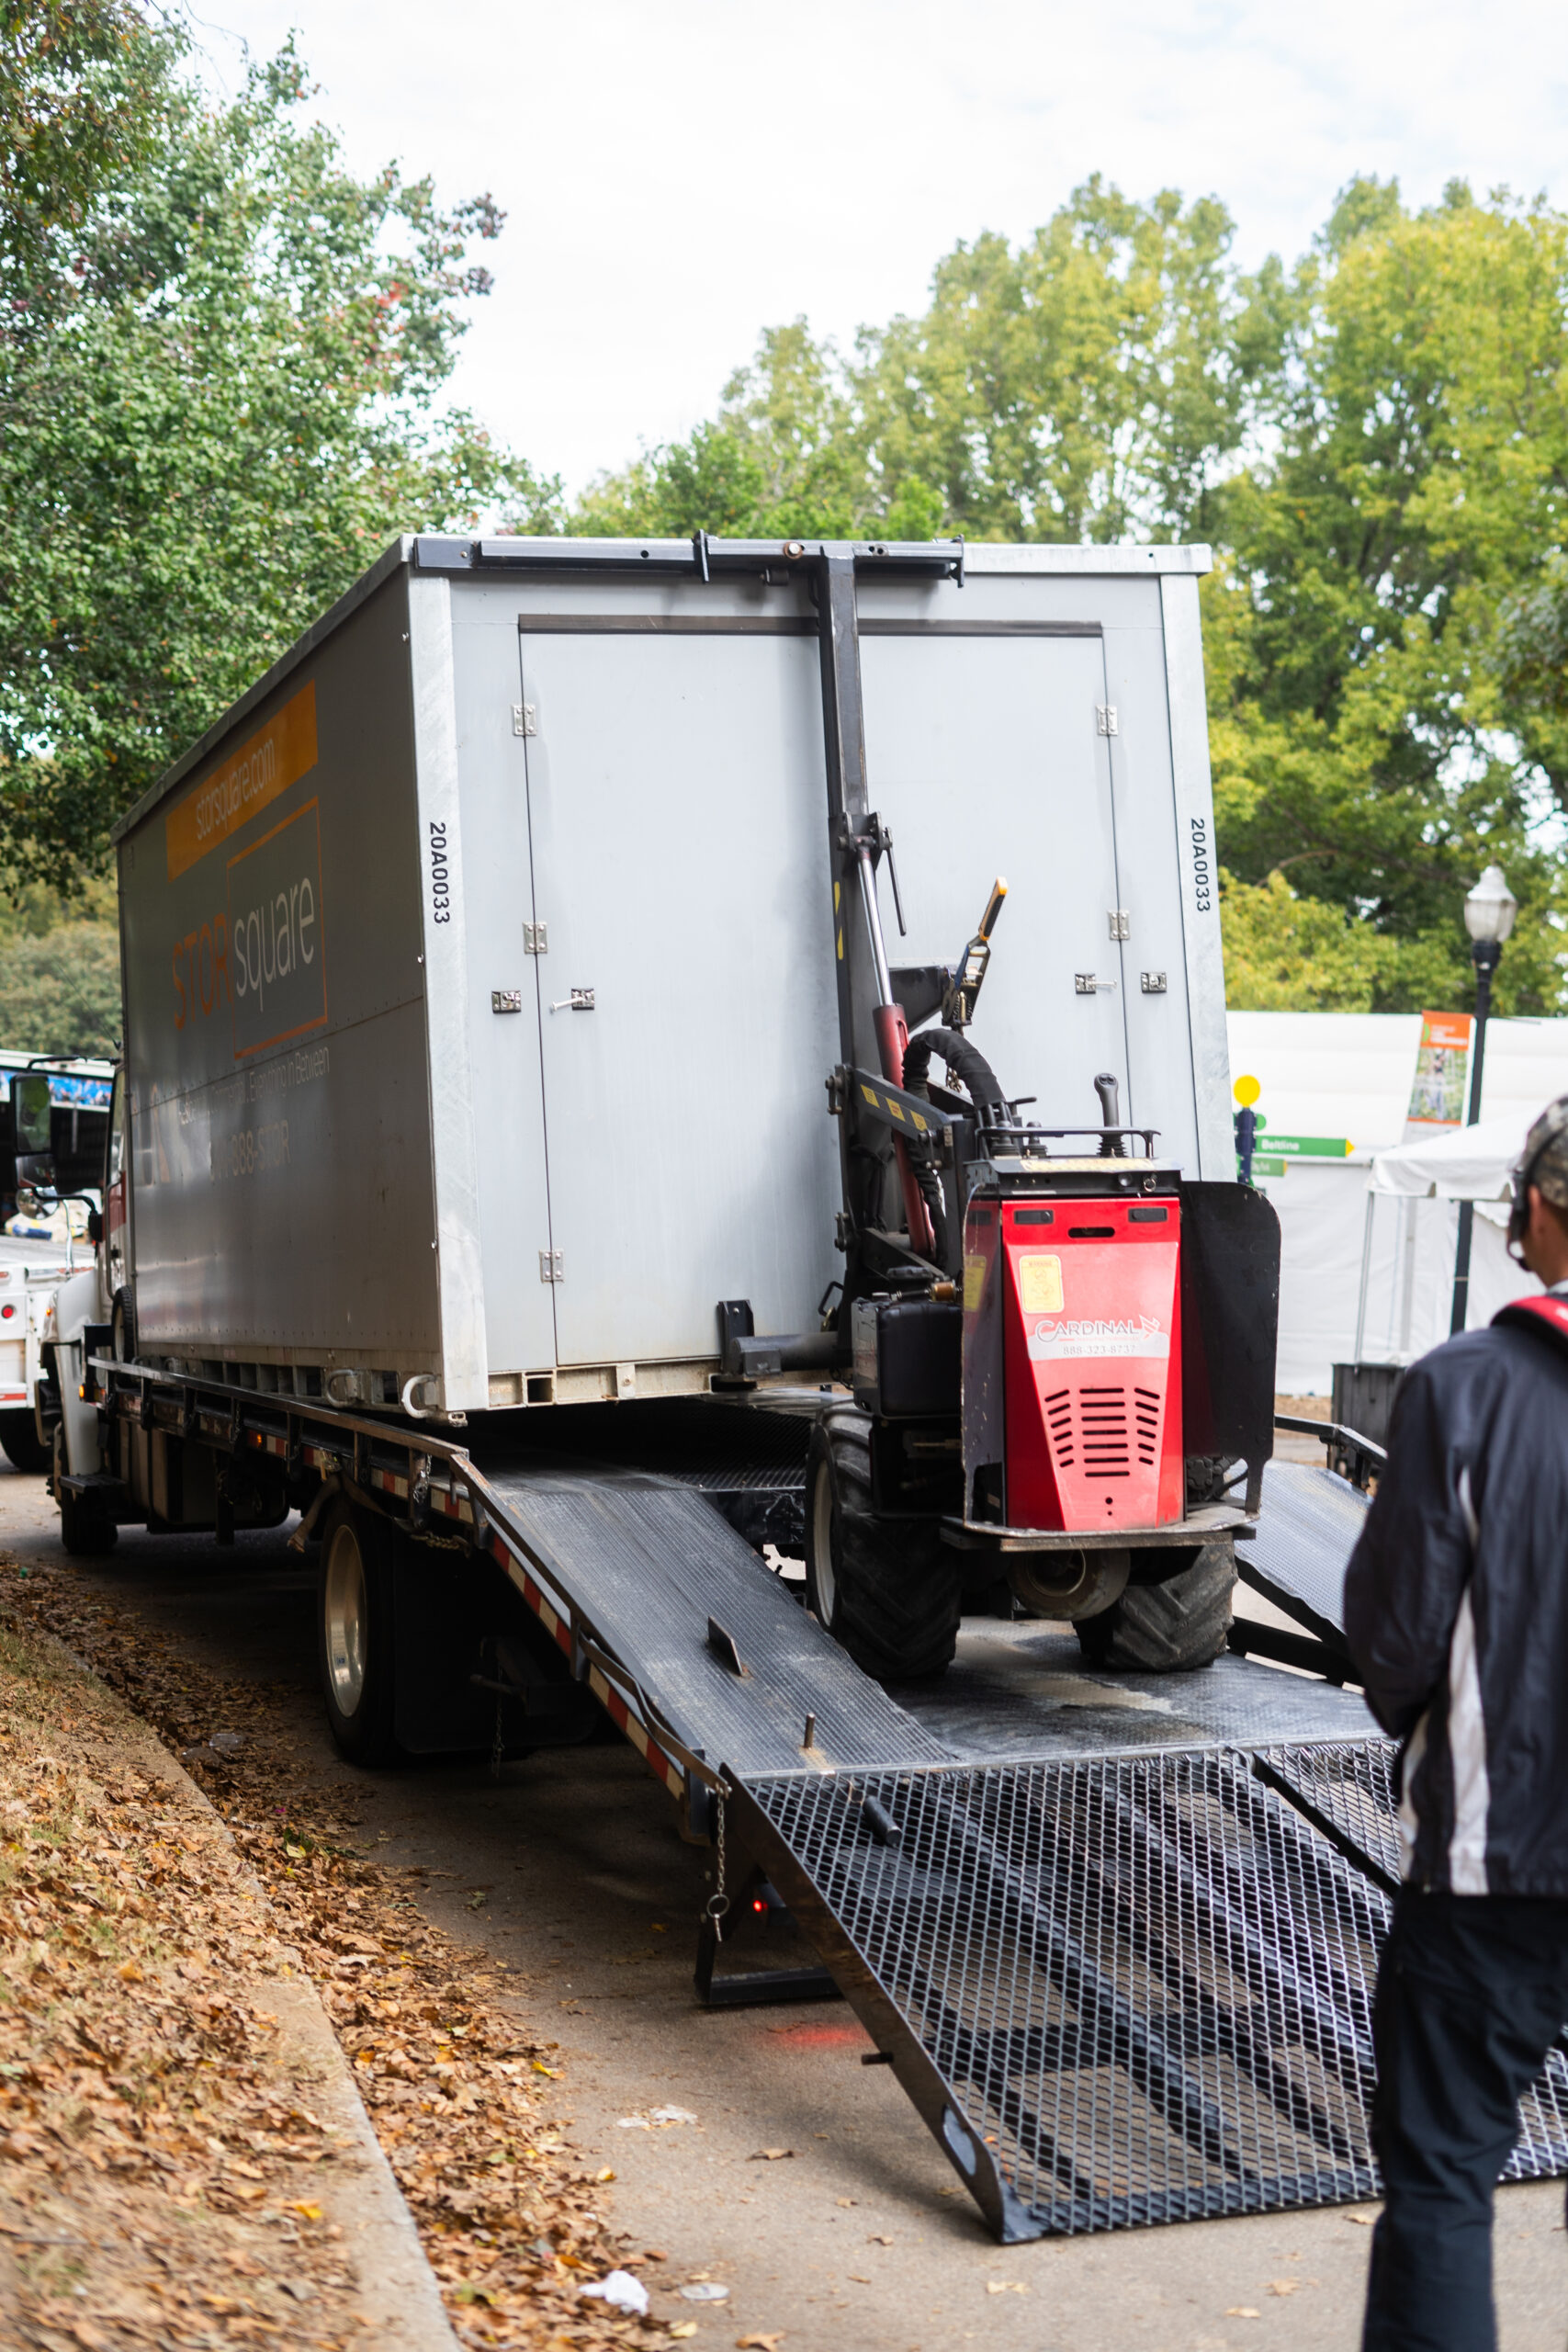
point(283, 752)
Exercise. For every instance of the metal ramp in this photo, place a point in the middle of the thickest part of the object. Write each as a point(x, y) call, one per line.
point(1116, 1935)
point(1121, 1990)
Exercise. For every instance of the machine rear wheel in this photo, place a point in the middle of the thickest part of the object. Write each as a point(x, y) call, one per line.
point(888, 1589)
point(354, 1612)
point(1168, 1628)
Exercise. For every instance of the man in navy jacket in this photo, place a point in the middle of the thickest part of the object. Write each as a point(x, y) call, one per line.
point(1456, 1604)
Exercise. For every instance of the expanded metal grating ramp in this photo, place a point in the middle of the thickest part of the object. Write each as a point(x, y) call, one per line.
point(1120, 1991)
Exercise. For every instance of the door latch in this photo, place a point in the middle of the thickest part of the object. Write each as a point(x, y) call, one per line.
point(1090, 984)
point(579, 1001)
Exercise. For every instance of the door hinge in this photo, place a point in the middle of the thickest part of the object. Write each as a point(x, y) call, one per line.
point(1154, 983)
point(526, 718)
point(1104, 718)
point(506, 1000)
point(551, 1266)
point(1117, 917)
point(535, 939)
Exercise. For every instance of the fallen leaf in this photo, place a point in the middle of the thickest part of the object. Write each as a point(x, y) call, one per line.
point(540, 2068)
point(1283, 2286)
point(130, 1973)
point(847, 2200)
point(1005, 2287)
point(683, 2327)
point(1363, 2220)
point(769, 2155)
point(306, 2212)
point(608, 2174)
point(760, 2342)
point(1242, 2311)
point(874, 2239)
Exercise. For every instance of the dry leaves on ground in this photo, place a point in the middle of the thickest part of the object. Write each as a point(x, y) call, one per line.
point(466, 2104)
point(158, 2152)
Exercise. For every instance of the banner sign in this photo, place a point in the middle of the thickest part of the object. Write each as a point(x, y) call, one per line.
point(1442, 1073)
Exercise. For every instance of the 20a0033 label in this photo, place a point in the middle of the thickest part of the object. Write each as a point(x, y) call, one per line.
point(440, 876)
point(1202, 866)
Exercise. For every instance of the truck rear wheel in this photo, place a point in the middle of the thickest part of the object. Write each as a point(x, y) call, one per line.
point(22, 1445)
point(1168, 1628)
point(355, 1612)
point(888, 1589)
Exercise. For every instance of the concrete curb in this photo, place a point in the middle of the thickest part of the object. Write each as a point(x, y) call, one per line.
point(397, 2290)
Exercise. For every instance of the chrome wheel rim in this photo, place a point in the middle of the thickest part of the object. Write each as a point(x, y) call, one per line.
point(347, 1621)
point(822, 1545)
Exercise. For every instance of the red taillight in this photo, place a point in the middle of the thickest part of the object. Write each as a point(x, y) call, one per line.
point(6, 1312)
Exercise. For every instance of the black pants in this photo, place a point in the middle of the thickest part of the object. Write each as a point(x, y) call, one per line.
point(1472, 1993)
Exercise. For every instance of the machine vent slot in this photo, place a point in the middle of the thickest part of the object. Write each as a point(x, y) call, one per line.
point(1146, 1407)
point(1059, 1421)
point(1102, 1428)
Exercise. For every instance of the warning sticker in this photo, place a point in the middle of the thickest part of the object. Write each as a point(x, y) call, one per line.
point(1039, 1285)
point(974, 1281)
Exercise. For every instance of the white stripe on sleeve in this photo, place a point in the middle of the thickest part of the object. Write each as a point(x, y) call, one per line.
point(1467, 1740)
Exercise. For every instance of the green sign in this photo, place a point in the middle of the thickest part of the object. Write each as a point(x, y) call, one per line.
point(1263, 1166)
point(1308, 1147)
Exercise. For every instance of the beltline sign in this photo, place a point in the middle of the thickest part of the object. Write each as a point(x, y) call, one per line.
point(1303, 1147)
point(274, 758)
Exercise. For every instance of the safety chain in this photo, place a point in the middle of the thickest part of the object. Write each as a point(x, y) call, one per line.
point(718, 1900)
point(441, 1542)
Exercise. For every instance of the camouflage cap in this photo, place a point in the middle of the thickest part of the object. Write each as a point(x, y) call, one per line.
point(1545, 1158)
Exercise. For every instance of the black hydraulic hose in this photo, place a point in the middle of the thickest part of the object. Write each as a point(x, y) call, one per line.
point(967, 1064)
point(974, 1071)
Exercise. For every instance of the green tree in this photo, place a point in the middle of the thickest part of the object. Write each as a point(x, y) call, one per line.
point(59, 993)
point(1377, 639)
point(204, 443)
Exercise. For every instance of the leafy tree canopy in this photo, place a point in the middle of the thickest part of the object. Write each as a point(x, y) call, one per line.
point(212, 415)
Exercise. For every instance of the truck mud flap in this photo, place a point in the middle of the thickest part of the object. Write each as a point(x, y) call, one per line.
point(1119, 1991)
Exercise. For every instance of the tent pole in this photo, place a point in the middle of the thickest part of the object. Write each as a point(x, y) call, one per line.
point(1366, 1275)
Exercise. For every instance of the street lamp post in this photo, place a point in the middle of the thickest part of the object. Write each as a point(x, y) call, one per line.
point(1489, 911)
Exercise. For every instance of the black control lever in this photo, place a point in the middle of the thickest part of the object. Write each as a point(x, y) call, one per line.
point(1108, 1088)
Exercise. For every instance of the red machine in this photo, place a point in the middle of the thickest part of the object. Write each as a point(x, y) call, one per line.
point(1090, 1295)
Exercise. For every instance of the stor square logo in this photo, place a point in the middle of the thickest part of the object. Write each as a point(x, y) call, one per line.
point(277, 965)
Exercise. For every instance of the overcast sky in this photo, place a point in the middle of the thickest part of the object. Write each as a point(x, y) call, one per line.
point(680, 174)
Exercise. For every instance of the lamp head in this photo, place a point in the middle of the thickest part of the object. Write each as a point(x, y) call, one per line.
point(1489, 909)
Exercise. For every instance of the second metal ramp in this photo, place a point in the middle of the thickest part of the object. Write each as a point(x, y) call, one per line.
point(1120, 1990)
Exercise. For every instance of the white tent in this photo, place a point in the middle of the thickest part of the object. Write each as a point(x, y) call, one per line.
point(1464, 1164)
point(1349, 1076)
